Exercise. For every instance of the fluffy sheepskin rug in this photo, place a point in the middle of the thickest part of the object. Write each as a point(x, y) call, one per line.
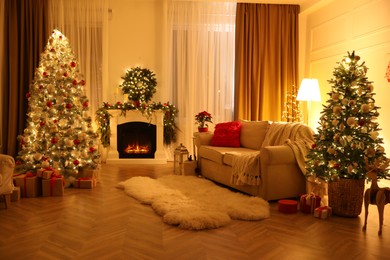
point(194, 203)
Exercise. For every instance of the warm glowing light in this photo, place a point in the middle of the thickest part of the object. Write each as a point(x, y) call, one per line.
point(137, 149)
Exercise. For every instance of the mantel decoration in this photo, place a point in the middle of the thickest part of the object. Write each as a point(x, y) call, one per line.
point(139, 84)
point(348, 139)
point(103, 118)
point(201, 119)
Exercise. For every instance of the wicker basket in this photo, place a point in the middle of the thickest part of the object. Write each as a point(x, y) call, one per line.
point(346, 197)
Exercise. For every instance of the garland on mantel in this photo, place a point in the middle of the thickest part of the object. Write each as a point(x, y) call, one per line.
point(103, 118)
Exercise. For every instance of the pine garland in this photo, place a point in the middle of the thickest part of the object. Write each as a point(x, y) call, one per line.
point(103, 118)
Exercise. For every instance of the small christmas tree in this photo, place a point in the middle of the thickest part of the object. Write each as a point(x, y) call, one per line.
point(58, 132)
point(292, 112)
point(347, 143)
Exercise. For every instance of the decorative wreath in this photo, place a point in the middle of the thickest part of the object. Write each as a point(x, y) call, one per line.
point(140, 84)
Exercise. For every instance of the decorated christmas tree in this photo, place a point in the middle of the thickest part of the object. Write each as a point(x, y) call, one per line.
point(58, 131)
point(348, 143)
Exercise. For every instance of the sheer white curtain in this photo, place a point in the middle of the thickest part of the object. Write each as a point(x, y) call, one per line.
point(201, 39)
point(84, 23)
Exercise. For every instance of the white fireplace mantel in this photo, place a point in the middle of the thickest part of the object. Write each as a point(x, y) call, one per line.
point(157, 119)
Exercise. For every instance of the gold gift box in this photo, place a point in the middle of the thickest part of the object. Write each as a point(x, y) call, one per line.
point(29, 184)
point(53, 186)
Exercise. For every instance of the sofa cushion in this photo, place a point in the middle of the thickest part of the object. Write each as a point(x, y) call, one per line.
point(253, 133)
point(218, 153)
point(227, 134)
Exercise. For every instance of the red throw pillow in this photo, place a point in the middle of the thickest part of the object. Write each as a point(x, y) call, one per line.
point(227, 134)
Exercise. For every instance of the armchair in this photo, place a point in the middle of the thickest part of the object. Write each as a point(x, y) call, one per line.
point(7, 166)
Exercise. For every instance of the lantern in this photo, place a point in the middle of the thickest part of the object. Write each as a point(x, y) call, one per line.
point(180, 155)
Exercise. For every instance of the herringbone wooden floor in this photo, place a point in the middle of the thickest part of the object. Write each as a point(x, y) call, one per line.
point(104, 223)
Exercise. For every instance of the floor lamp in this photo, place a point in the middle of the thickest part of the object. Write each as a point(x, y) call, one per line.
point(309, 91)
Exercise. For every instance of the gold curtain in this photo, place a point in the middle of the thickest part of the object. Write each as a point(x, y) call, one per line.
point(266, 59)
point(24, 39)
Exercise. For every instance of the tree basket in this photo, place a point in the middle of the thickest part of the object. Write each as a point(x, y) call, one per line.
point(346, 197)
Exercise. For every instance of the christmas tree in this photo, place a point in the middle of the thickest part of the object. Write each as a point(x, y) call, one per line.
point(292, 112)
point(59, 131)
point(348, 143)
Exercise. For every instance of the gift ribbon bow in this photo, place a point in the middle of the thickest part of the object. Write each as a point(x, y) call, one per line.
point(53, 181)
point(50, 169)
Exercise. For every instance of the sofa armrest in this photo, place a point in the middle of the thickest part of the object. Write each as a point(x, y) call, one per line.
point(281, 154)
point(202, 138)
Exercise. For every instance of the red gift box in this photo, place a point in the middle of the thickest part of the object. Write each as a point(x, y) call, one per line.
point(288, 206)
point(323, 212)
point(53, 186)
point(309, 202)
point(29, 184)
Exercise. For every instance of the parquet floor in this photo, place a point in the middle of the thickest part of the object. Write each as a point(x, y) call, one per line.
point(104, 223)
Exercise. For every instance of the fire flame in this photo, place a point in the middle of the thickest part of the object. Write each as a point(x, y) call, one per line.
point(137, 149)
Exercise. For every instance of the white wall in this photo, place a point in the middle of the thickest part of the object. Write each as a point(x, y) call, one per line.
point(135, 33)
point(331, 28)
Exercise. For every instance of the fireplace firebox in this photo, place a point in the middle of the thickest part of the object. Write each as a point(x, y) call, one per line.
point(136, 140)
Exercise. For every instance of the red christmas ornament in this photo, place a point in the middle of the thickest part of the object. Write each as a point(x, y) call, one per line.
point(76, 162)
point(118, 103)
point(52, 50)
point(91, 149)
point(40, 86)
point(49, 103)
point(42, 123)
point(82, 82)
point(73, 64)
point(65, 74)
point(54, 140)
point(45, 74)
point(68, 105)
point(76, 141)
point(85, 104)
point(74, 82)
point(18, 163)
point(313, 146)
point(55, 121)
point(28, 95)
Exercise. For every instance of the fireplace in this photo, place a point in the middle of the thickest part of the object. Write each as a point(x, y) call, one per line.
point(136, 138)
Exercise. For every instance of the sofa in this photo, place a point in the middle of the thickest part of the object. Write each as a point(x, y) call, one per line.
point(265, 159)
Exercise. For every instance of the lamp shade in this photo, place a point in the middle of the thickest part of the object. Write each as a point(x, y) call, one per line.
point(309, 90)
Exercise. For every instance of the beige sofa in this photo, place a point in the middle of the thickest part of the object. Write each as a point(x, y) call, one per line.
point(279, 149)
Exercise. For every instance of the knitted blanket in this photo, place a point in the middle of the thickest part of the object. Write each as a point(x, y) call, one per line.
point(299, 137)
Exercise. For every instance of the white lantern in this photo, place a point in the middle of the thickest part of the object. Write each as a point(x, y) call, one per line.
point(180, 155)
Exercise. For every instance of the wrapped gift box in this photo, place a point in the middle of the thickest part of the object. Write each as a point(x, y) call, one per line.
point(88, 173)
point(29, 184)
point(46, 173)
point(309, 202)
point(15, 196)
point(288, 206)
point(323, 212)
point(53, 186)
point(85, 183)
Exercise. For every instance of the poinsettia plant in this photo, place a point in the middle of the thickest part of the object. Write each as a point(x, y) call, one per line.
point(202, 118)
